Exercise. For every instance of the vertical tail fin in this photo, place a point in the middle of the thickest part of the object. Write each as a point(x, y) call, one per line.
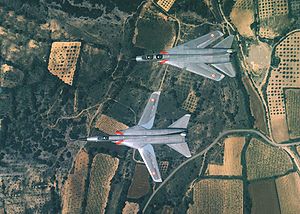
point(182, 122)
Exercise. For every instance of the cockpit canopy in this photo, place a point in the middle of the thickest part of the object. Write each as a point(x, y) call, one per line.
point(103, 138)
point(152, 57)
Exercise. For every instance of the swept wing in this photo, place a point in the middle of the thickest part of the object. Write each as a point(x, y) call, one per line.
point(198, 68)
point(201, 42)
point(149, 158)
point(148, 116)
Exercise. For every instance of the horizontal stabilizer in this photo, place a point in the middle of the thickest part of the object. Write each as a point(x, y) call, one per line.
point(182, 148)
point(226, 68)
point(225, 43)
point(182, 122)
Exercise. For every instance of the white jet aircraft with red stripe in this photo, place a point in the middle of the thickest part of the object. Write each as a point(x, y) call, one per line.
point(142, 136)
point(200, 56)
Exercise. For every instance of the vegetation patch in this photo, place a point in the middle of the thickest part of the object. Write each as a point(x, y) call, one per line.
point(154, 33)
point(292, 100)
point(266, 161)
point(217, 196)
point(103, 170)
point(288, 188)
point(140, 184)
point(264, 197)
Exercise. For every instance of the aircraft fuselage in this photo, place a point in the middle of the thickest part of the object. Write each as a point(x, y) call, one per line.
point(134, 137)
point(195, 55)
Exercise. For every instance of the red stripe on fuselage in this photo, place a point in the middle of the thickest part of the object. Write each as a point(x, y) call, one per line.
point(163, 61)
point(119, 133)
point(163, 52)
point(119, 142)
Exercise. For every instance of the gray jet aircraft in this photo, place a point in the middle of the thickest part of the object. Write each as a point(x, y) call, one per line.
point(142, 135)
point(197, 57)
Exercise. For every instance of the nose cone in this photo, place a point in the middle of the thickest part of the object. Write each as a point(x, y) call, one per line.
point(92, 139)
point(138, 58)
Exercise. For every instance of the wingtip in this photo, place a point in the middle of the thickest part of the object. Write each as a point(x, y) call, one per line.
point(220, 33)
point(188, 156)
point(232, 75)
point(188, 115)
point(221, 77)
point(158, 180)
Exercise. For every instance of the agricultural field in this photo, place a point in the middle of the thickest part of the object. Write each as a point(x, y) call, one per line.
point(74, 188)
point(285, 75)
point(232, 158)
point(266, 161)
point(191, 102)
point(273, 16)
point(264, 197)
point(62, 60)
point(140, 183)
point(288, 188)
point(109, 125)
point(292, 100)
point(103, 170)
point(217, 196)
